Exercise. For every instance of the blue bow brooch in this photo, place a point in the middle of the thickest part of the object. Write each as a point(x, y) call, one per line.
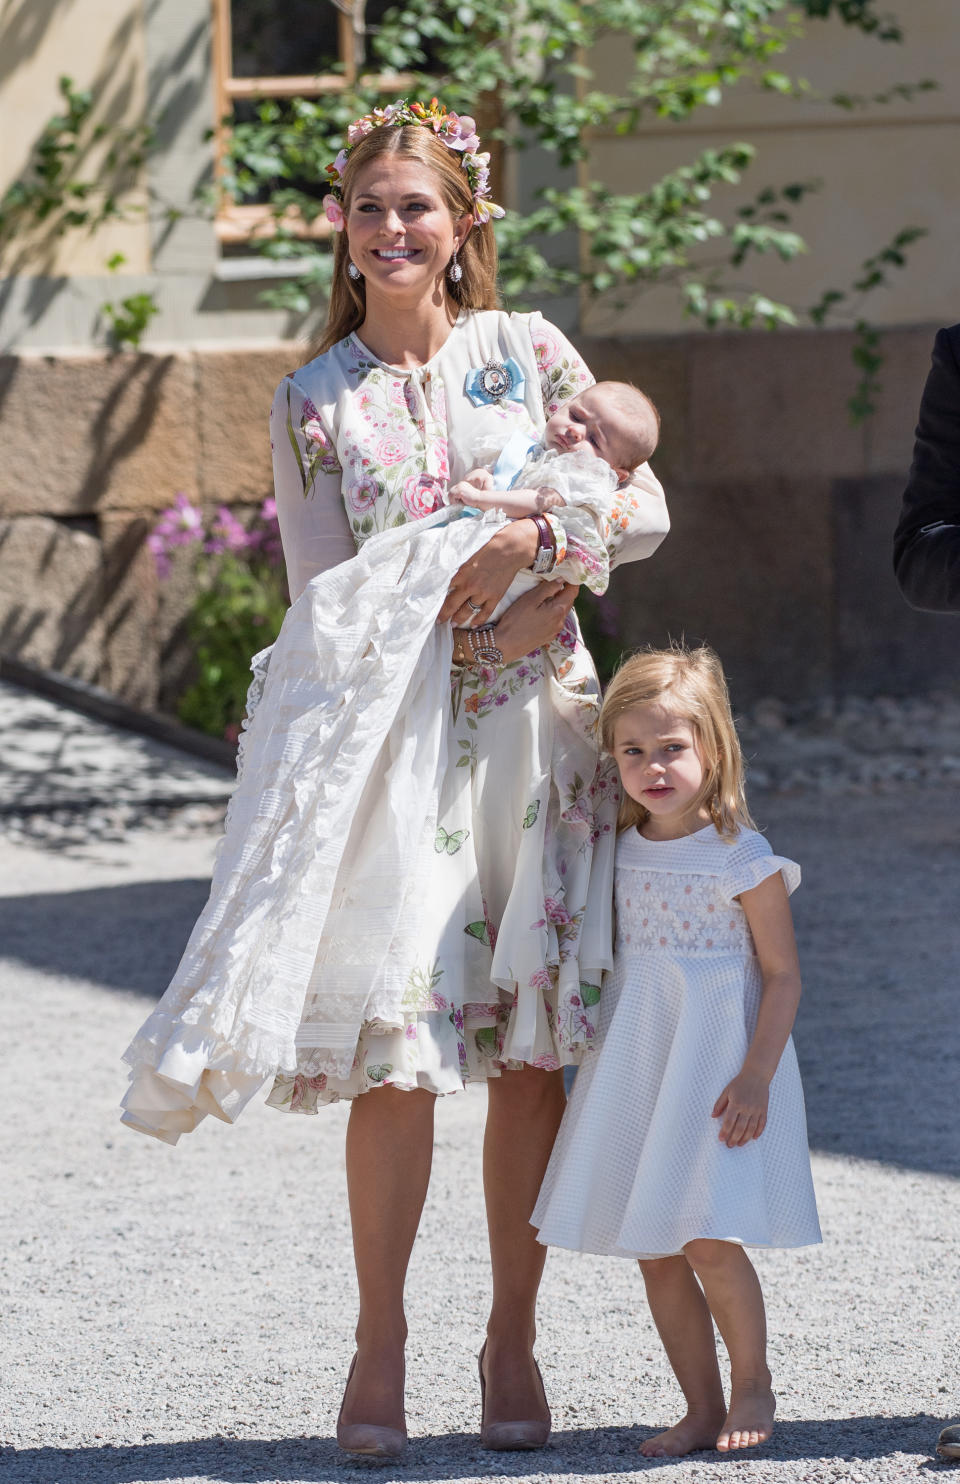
point(497, 381)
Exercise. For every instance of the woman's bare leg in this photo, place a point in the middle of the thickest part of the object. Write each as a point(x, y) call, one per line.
point(684, 1324)
point(732, 1290)
point(524, 1109)
point(389, 1153)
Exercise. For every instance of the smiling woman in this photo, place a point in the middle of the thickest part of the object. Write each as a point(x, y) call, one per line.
point(414, 892)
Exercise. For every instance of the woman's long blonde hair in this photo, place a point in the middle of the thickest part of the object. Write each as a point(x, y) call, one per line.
point(692, 681)
point(477, 288)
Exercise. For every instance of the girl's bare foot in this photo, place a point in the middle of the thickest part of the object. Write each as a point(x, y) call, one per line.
point(695, 1431)
point(750, 1418)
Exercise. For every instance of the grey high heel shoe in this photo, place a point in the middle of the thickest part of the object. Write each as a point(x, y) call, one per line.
point(368, 1438)
point(508, 1436)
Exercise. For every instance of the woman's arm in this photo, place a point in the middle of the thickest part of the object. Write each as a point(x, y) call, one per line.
point(307, 482)
point(743, 1103)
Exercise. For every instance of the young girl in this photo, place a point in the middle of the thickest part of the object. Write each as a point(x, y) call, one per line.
point(685, 1137)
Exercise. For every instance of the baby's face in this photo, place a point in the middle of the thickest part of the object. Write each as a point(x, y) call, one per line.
point(589, 421)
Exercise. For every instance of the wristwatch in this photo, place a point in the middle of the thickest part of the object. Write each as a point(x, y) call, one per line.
point(546, 551)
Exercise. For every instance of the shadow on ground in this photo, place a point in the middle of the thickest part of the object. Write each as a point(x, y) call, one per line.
point(120, 937)
point(879, 931)
point(577, 1454)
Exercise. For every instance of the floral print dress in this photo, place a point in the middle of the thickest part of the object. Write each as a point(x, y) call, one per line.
point(508, 970)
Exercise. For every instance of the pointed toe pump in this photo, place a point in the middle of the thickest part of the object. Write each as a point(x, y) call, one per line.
point(506, 1437)
point(368, 1438)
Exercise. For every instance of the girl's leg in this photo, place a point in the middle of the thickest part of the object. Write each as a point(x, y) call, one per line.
point(524, 1109)
point(732, 1290)
point(684, 1324)
point(389, 1152)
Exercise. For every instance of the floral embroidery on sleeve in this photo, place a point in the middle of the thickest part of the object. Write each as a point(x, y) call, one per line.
point(562, 372)
point(312, 448)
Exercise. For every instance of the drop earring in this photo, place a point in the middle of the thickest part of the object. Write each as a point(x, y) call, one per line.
point(353, 271)
point(454, 272)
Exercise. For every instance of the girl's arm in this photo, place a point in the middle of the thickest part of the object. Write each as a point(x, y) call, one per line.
point(742, 1105)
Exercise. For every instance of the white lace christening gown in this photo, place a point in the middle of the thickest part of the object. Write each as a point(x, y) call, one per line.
point(638, 1169)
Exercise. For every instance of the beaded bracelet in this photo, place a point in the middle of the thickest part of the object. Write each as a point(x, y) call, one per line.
point(483, 645)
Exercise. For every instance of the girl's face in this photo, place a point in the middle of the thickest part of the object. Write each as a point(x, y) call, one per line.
point(400, 229)
point(661, 767)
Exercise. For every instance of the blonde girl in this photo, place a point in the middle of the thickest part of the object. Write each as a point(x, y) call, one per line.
point(685, 1137)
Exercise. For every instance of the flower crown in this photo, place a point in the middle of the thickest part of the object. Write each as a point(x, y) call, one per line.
point(457, 131)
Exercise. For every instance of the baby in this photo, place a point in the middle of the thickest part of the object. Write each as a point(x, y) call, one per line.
point(610, 421)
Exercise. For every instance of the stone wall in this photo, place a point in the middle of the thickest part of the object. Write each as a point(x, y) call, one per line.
point(94, 446)
point(782, 511)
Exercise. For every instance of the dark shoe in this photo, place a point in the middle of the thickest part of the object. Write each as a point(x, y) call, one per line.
point(367, 1437)
point(509, 1436)
point(948, 1443)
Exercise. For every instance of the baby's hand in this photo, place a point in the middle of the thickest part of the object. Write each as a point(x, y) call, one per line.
point(743, 1107)
point(465, 492)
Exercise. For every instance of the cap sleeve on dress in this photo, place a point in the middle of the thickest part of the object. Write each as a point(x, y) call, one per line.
point(752, 860)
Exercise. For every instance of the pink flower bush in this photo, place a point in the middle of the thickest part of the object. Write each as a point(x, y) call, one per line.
point(182, 524)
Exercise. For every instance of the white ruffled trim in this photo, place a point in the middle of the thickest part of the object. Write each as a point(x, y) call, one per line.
point(359, 649)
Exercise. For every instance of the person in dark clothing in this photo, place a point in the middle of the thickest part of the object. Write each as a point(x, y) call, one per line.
point(926, 545)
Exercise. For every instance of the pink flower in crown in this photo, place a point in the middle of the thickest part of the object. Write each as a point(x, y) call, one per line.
point(333, 211)
point(392, 449)
point(460, 132)
point(358, 130)
point(362, 493)
point(421, 495)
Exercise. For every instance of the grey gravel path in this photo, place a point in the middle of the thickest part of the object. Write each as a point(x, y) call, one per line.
point(184, 1315)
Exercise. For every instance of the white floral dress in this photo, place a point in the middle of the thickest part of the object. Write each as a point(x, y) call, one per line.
point(638, 1169)
point(453, 916)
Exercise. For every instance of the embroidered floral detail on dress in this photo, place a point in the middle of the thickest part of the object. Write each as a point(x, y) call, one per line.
point(689, 916)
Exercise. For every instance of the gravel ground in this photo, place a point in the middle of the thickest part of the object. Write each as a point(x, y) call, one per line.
point(185, 1315)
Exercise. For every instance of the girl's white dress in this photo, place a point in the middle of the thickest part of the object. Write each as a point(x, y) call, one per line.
point(415, 884)
point(638, 1169)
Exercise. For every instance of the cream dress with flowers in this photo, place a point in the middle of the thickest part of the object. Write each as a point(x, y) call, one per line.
point(522, 929)
point(415, 882)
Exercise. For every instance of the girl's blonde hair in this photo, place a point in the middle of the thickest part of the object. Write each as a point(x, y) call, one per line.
point(692, 681)
point(477, 288)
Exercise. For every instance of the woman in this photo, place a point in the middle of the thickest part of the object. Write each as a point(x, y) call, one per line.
point(466, 960)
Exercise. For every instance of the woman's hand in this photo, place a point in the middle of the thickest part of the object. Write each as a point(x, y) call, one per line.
point(534, 619)
point(478, 586)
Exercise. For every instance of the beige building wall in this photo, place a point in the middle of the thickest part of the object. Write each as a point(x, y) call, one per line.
point(99, 45)
point(883, 167)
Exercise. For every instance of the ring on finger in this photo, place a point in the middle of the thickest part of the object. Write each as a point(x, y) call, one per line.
point(474, 607)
